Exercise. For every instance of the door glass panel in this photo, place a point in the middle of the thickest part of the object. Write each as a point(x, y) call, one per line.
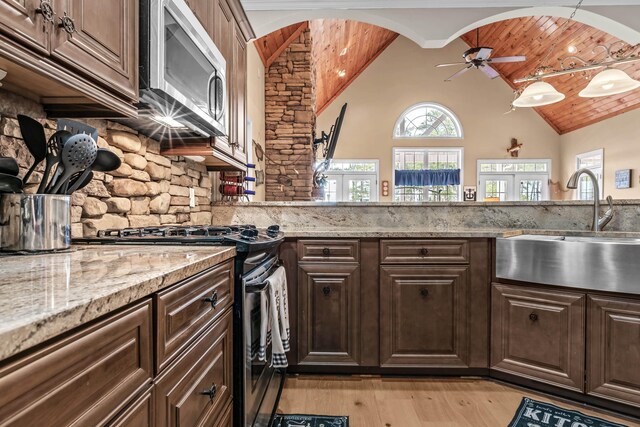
point(359, 190)
point(531, 190)
point(585, 188)
point(186, 68)
point(331, 191)
point(495, 190)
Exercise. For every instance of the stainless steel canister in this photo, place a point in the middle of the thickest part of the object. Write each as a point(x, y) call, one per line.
point(35, 222)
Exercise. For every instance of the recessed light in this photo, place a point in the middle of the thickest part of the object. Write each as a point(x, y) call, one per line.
point(342, 73)
point(572, 49)
point(343, 52)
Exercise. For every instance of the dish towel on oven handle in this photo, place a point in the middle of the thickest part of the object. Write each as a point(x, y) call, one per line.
point(275, 319)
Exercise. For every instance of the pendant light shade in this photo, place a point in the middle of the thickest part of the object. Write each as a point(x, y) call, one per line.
point(538, 94)
point(609, 82)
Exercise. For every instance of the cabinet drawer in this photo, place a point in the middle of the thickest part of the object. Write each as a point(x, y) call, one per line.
point(84, 379)
point(138, 414)
point(329, 250)
point(424, 251)
point(226, 420)
point(206, 367)
point(539, 334)
point(186, 308)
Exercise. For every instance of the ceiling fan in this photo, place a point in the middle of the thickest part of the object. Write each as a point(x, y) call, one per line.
point(480, 58)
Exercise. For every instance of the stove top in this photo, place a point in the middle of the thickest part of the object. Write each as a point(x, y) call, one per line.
point(246, 238)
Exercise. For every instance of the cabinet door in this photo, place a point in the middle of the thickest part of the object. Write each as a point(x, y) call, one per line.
point(238, 97)
point(20, 20)
point(329, 314)
point(105, 42)
point(200, 9)
point(424, 316)
point(223, 37)
point(613, 356)
point(538, 334)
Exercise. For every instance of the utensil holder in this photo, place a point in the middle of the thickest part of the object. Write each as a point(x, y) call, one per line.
point(35, 222)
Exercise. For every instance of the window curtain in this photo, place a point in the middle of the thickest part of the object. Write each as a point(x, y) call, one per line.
point(422, 178)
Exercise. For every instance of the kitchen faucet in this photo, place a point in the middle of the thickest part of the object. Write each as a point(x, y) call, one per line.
point(598, 222)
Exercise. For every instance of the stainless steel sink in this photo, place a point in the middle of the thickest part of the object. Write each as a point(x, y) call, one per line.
point(596, 263)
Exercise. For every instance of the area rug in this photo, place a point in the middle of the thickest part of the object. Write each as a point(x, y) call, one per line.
point(532, 413)
point(297, 420)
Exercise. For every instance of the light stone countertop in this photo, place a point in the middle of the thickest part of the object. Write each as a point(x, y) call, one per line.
point(417, 233)
point(42, 296)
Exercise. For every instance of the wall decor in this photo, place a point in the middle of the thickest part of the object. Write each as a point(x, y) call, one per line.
point(385, 188)
point(623, 178)
point(470, 193)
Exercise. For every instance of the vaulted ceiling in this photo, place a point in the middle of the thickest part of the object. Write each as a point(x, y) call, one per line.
point(535, 37)
point(341, 49)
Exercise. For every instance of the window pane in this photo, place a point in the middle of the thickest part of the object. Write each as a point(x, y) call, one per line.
point(331, 190)
point(531, 190)
point(428, 121)
point(495, 190)
point(360, 190)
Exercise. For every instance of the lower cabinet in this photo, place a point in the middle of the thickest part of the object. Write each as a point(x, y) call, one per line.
point(139, 414)
point(424, 316)
point(329, 314)
point(613, 349)
point(539, 334)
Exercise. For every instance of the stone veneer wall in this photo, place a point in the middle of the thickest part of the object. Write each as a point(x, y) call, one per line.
point(290, 119)
point(147, 190)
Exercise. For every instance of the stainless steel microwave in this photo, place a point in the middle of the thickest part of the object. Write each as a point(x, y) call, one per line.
point(182, 72)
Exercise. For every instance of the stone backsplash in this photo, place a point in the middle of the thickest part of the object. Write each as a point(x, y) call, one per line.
point(147, 190)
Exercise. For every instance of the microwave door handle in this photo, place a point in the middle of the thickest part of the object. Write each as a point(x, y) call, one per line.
point(213, 99)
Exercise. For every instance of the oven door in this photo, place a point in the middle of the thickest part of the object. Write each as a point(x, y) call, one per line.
point(187, 80)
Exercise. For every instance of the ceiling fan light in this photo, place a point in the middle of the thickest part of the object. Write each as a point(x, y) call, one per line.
point(609, 82)
point(538, 94)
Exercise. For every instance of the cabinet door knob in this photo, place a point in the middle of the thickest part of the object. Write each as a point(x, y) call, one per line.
point(211, 392)
point(46, 10)
point(326, 290)
point(424, 292)
point(67, 24)
point(326, 252)
point(213, 299)
point(424, 251)
point(533, 317)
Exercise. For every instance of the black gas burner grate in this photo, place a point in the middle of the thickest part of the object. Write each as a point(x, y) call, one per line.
point(176, 231)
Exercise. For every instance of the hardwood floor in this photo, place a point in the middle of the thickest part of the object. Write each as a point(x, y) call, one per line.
point(404, 402)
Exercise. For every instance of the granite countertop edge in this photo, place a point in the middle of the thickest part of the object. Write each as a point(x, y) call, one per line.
point(38, 329)
point(382, 232)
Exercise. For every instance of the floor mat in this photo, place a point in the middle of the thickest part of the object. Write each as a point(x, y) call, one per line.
point(298, 420)
point(532, 413)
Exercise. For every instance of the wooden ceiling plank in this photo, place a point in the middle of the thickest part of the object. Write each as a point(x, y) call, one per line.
point(293, 37)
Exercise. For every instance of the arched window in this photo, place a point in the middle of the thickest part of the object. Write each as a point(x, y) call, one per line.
point(428, 120)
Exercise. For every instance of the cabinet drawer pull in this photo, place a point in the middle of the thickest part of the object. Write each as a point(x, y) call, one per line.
point(67, 24)
point(424, 251)
point(46, 10)
point(533, 317)
point(211, 392)
point(326, 252)
point(326, 290)
point(213, 299)
point(424, 292)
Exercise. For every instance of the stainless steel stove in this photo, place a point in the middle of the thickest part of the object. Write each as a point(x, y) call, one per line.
point(257, 386)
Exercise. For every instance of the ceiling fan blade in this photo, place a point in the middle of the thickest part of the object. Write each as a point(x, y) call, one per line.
point(503, 59)
point(484, 53)
point(464, 70)
point(451, 64)
point(489, 71)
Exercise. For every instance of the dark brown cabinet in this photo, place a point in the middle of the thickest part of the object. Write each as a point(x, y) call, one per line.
point(424, 316)
point(238, 97)
point(613, 349)
point(139, 414)
point(329, 314)
point(103, 44)
point(539, 334)
point(20, 20)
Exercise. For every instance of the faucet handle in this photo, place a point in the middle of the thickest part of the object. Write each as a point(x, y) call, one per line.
point(608, 215)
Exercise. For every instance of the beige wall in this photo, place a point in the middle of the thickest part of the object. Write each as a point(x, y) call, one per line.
point(404, 75)
point(255, 107)
point(620, 140)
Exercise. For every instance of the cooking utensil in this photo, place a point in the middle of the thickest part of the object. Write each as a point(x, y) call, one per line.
point(9, 166)
point(79, 181)
point(106, 161)
point(35, 140)
point(78, 153)
point(10, 184)
point(54, 146)
point(77, 127)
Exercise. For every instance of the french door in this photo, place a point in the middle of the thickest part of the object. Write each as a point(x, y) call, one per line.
point(513, 187)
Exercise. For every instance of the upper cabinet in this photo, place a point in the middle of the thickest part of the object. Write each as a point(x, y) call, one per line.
point(238, 131)
point(99, 39)
point(77, 56)
point(25, 21)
